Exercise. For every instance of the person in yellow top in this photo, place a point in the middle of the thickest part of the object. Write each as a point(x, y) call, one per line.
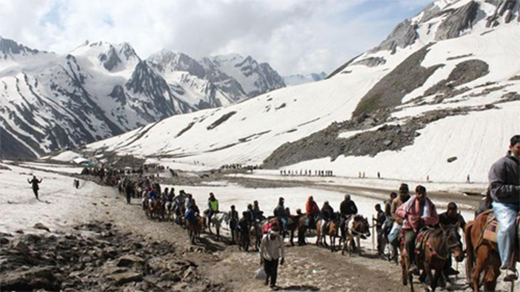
point(212, 205)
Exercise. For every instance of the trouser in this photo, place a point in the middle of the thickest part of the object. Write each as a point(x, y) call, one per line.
point(128, 197)
point(381, 241)
point(271, 270)
point(284, 223)
point(35, 191)
point(409, 244)
point(210, 214)
point(506, 216)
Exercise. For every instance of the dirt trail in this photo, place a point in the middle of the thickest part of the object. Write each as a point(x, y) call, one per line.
point(307, 268)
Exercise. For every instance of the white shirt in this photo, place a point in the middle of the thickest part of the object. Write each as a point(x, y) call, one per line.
point(272, 249)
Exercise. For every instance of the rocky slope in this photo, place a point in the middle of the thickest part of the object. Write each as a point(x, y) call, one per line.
point(98, 90)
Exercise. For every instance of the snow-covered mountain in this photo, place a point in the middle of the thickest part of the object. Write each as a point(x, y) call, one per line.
point(439, 98)
point(98, 90)
point(298, 79)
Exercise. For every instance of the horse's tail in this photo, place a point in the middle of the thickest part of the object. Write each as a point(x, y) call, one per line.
point(470, 259)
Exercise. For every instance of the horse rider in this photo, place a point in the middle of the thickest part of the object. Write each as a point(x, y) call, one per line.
point(448, 219)
point(404, 196)
point(212, 206)
point(188, 202)
point(312, 211)
point(389, 221)
point(417, 213)
point(326, 215)
point(280, 214)
point(233, 221)
point(347, 209)
point(259, 215)
point(171, 195)
point(388, 204)
point(380, 221)
point(192, 212)
point(35, 185)
point(504, 186)
point(250, 213)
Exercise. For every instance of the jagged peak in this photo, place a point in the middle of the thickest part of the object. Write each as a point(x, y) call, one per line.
point(9, 47)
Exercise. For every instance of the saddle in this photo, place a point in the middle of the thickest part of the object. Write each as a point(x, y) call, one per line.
point(492, 226)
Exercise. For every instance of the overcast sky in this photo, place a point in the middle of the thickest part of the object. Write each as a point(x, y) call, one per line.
point(294, 36)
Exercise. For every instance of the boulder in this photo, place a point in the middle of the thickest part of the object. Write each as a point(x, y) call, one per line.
point(123, 278)
point(130, 260)
point(33, 279)
point(41, 226)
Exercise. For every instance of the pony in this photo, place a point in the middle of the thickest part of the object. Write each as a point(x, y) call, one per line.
point(217, 220)
point(292, 225)
point(332, 230)
point(433, 249)
point(194, 228)
point(358, 226)
point(483, 256)
point(305, 223)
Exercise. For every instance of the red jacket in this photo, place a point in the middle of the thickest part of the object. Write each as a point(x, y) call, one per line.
point(311, 208)
point(410, 211)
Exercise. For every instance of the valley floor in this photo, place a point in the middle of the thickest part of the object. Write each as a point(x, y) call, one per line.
point(219, 266)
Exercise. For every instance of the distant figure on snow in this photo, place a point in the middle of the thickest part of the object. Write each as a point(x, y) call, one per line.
point(467, 179)
point(35, 186)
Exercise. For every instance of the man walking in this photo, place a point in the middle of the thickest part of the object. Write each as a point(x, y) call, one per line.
point(272, 252)
point(504, 187)
point(35, 182)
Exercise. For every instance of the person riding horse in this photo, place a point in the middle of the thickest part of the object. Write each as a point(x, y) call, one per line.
point(312, 211)
point(417, 213)
point(259, 215)
point(504, 186)
point(212, 206)
point(326, 214)
point(404, 196)
point(448, 219)
point(347, 209)
point(281, 215)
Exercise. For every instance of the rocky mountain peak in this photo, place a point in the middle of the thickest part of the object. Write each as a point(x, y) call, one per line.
point(10, 48)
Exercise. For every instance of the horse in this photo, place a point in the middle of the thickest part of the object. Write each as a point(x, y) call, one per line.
point(432, 250)
point(169, 210)
point(194, 228)
point(217, 220)
point(292, 225)
point(180, 212)
point(332, 230)
point(156, 209)
point(358, 226)
point(483, 255)
point(305, 223)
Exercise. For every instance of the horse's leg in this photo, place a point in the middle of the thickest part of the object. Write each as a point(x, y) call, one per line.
point(358, 241)
point(332, 242)
point(436, 277)
point(292, 237)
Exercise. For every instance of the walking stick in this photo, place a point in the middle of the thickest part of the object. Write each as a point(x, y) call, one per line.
point(373, 234)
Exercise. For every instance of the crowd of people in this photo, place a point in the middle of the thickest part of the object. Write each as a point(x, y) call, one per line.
point(401, 217)
point(306, 172)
